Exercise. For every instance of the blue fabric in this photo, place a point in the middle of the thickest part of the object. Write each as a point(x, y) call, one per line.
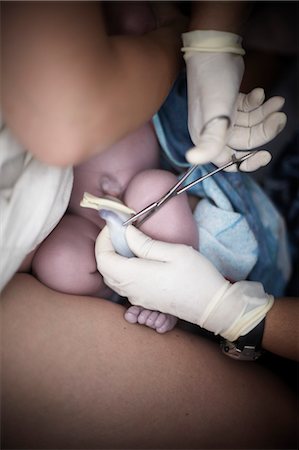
point(220, 233)
point(253, 237)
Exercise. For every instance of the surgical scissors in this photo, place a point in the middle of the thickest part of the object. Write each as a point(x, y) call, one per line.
point(177, 189)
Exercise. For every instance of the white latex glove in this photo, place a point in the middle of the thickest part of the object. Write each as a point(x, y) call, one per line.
point(214, 71)
point(255, 123)
point(176, 279)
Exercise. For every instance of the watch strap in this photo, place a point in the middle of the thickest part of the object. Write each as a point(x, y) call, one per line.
point(247, 347)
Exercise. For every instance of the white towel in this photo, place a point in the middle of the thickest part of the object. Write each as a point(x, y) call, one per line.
point(33, 198)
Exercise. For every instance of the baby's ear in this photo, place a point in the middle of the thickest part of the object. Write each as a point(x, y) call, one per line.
point(110, 186)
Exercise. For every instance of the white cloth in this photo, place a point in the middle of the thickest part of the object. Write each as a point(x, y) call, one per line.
point(33, 198)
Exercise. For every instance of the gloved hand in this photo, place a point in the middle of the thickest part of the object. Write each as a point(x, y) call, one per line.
point(214, 72)
point(255, 124)
point(176, 279)
point(215, 69)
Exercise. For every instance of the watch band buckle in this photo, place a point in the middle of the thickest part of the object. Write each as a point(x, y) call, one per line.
point(248, 353)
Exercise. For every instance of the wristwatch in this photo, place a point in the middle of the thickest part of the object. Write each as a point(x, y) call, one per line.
point(245, 348)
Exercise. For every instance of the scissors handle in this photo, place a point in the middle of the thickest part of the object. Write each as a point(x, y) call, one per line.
point(234, 160)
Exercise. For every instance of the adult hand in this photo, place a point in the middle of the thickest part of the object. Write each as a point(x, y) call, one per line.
point(255, 123)
point(176, 279)
point(214, 71)
point(215, 68)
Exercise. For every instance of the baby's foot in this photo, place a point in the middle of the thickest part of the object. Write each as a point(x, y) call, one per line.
point(160, 322)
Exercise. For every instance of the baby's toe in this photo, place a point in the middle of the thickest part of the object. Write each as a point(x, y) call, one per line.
point(161, 319)
point(169, 324)
point(132, 313)
point(143, 316)
point(151, 320)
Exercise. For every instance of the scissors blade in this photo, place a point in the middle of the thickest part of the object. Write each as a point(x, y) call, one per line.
point(150, 209)
point(174, 191)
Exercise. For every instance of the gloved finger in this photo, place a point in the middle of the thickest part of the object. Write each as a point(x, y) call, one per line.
point(147, 248)
point(210, 143)
point(248, 138)
point(224, 157)
point(251, 118)
point(106, 257)
point(251, 101)
point(258, 160)
point(103, 241)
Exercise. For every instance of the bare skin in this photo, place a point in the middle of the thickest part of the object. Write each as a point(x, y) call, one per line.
point(281, 328)
point(222, 16)
point(69, 90)
point(76, 375)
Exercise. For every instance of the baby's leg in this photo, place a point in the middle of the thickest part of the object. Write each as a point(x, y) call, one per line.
point(65, 261)
point(172, 223)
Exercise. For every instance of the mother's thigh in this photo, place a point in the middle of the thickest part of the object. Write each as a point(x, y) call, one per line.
point(75, 375)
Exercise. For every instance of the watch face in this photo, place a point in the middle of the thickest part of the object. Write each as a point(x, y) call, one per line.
point(248, 353)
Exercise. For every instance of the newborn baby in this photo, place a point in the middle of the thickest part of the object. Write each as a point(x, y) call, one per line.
point(128, 171)
point(65, 261)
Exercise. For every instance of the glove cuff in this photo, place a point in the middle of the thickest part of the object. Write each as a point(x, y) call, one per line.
point(256, 304)
point(249, 321)
point(236, 309)
point(211, 41)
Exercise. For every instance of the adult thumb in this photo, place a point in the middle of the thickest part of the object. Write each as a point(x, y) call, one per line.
point(106, 257)
point(209, 144)
point(147, 248)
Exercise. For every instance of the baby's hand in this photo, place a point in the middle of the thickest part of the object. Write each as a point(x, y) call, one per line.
point(160, 322)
